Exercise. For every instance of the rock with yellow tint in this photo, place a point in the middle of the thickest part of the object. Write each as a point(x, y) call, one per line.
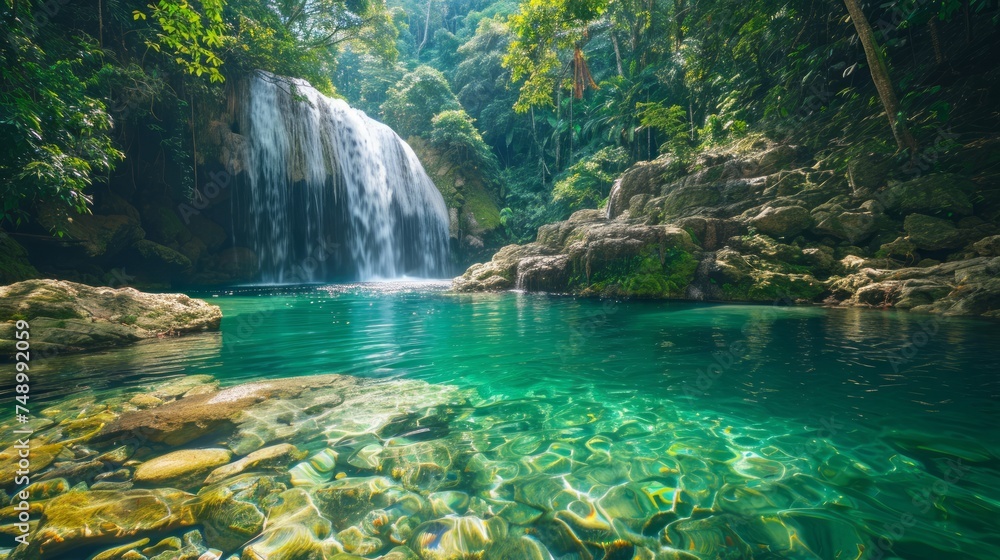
point(87, 518)
point(232, 512)
point(295, 529)
point(119, 552)
point(41, 456)
point(276, 456)
point(182, 469)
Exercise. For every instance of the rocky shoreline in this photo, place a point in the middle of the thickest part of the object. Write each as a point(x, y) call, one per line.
point(764, 222)
point(66, 317)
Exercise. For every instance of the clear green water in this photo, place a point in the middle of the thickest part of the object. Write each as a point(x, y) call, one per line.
point(767, 432)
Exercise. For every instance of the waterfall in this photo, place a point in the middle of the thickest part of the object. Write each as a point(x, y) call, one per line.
point(613, 196)
point(329, 193)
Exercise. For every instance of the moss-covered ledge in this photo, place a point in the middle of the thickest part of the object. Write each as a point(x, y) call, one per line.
point(67, 317)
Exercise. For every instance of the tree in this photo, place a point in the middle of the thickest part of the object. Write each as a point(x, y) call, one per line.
point(543, 29)
point(456, 136)
point(191, 36)
point(588, 182)
point(321, 24)
point(880, 75)
point(55, 133)
point(415, 99)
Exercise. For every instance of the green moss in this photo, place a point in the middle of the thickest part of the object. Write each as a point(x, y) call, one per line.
point(460, 186)
point(694, 238)
point(654, 273)
point(14, 265)
point(773, 287)
point(480, 204)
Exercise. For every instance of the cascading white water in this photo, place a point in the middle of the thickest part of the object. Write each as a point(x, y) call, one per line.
point(330, 193)
point(613, 197)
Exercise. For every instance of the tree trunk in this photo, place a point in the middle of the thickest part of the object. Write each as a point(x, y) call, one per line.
point(936, 41)
point(427, 27)
point(618, 53)
point(880, 75)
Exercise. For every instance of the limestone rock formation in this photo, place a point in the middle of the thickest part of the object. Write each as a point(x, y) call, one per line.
point(70, 317)
point(761, 222)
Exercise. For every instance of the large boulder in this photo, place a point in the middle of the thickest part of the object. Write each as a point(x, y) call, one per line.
point(500, 273)
point(70, 317)
point(711, 233)
point(932, 234)
point(111, 204)
point(185, 468)
point(100, 236)
point(852, 226)
point(162, 224)
point(156, 262)
point(208, 232)
point(988, 246)
point(942, 194)
point(965, 287)
point(80, 519)
point(194, 416)
point(785, 221)
point(643, 178)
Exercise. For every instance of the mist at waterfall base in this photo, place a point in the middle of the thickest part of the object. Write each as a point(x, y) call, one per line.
point(330, 194)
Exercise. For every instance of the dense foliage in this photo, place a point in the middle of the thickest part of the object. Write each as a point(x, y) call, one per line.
point(82, 86)
point(547, 99)
point(567, 92)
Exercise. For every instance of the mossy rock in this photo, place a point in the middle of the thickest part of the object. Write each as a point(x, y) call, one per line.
point(479, 203)
point(941, 194)
point(765, 286)
point(162, 223)
point(100, 236)
point(785, 221)
point(14, 265)
point(462, 188)
point(80, 519)
point(932, 234)
point(208, 232)
point(71, 317)
point(656, 272)
point(158, 261)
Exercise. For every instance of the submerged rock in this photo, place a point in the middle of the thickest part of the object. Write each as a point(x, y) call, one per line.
point(70, 317)
point(295, 529)
point(191, 417)
point(456, 537)
point(232, 512)
point(181, 469)
point(276, 456)
point(83, 518)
